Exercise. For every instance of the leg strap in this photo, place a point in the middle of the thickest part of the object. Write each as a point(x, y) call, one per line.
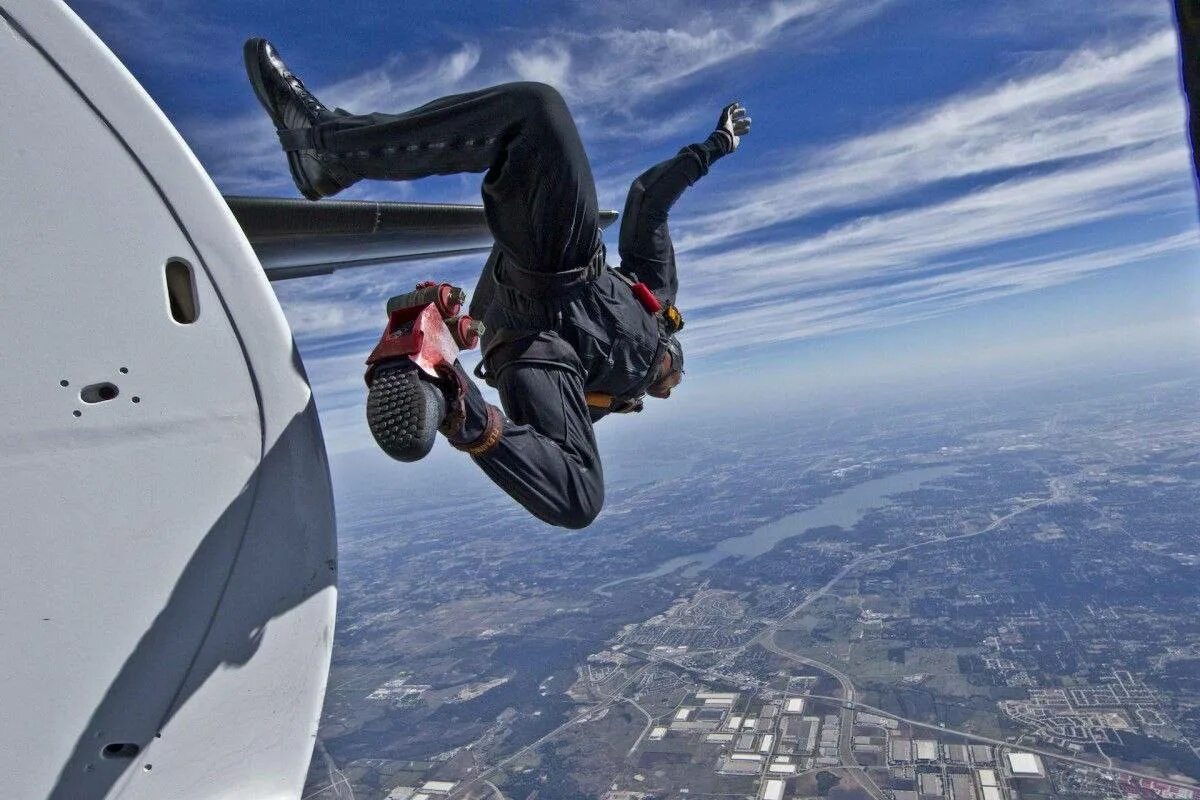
point(297, 139)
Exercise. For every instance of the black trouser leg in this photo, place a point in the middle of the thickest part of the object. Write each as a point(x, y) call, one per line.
point(539, 195)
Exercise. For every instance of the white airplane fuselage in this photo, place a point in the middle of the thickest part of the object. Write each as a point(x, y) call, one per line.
point(169, 570)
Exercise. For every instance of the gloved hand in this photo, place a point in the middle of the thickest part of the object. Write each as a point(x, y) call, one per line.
point(734, 124)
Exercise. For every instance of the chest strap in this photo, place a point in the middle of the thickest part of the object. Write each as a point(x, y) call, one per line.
point(604, 401)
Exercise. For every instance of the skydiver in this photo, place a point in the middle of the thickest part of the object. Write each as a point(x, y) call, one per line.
point(568, 339)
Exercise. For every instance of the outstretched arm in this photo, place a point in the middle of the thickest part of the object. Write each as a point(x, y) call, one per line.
point(645, 243)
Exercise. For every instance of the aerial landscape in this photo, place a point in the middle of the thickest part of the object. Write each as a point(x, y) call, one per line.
point(985, 599)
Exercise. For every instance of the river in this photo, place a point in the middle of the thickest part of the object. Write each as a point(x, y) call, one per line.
point(843, 510)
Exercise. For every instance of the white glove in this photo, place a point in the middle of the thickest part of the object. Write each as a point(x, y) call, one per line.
point(734, 123)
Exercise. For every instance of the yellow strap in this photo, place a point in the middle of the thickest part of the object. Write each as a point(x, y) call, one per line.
point(599, 400)
point(674, 318)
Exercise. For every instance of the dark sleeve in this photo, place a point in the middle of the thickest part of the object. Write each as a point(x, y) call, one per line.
point(546, 459)
point(645, 243)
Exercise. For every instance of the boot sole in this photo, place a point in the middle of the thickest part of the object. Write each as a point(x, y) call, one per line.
point(404, 411)
point(252, 53)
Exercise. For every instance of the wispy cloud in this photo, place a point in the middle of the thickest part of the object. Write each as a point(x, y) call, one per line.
point(1095, 139)
point(606, 74)
point(163, 32)
point(840, 309)
point(1093, 103)
point(242, 153)
point(930, 235)
point(607, 71)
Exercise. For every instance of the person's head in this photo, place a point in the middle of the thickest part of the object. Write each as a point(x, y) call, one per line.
point(670, 371)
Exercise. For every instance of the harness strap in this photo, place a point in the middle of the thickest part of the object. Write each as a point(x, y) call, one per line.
point(507, 346)
point(492, 433)
point(538, 284)
point(487, 370)
point(616, 405)
point(673, 319)
point(294, 139)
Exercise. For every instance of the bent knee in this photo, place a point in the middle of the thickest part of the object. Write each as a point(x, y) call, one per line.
point(577, 519)
point(539, 104)
point(534, 94)
point(582, 514)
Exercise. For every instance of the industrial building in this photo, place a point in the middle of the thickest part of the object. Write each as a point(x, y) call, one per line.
point(773, 789)
point(439, 787)
point(1025, 765)
point(961, 786)
point(988, 786)
point(956, 753)
point(741, 764)
point(981, 754)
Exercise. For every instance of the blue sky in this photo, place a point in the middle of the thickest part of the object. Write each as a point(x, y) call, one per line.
point(930, 187)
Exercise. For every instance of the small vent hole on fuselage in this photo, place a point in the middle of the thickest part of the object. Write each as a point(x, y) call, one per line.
point(124, 750)
point(181, 291)
point(99, 392)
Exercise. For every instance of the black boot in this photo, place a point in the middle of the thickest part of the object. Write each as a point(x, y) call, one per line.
point(294, 110)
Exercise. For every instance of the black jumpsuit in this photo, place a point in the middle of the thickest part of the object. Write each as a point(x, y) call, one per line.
point(568, 325)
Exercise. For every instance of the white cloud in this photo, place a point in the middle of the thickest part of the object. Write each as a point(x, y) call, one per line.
point(848, 308)
point(1095, 102)
point(242, 153)
point(915, 238)
point(605, 74)
point(1096, 139)
point(393, 85)
point(607, 70)
point(550, 64)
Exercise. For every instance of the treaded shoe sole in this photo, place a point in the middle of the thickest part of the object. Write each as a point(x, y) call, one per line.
point(404, 411)
point(253, 52)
